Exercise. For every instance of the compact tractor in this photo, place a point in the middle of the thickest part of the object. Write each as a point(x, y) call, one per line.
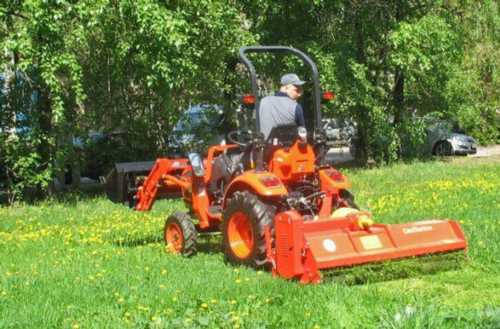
point(276, 201)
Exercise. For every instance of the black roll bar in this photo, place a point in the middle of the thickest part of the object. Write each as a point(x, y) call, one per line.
point(281, 49)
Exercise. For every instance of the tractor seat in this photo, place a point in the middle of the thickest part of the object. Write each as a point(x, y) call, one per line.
point(285, 135)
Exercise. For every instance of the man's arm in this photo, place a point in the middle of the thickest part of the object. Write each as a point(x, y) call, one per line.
point(299, 116)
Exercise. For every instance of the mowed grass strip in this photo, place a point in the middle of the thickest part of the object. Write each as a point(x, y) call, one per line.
point(92, 264)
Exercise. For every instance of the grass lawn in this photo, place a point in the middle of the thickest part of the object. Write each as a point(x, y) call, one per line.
point(89, 263)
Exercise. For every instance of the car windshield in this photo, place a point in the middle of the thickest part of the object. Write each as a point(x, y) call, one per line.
point(198, 116)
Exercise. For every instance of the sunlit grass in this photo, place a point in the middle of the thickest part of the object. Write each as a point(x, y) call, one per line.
point(92, 264)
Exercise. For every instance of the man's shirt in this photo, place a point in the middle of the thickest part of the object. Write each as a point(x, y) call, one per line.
point(279, 109)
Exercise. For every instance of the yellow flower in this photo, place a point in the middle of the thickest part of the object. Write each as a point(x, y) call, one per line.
point(204, 305)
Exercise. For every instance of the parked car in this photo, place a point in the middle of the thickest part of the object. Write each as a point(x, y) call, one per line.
point(341, 139)
point(200, 125)
point(445, 138)
point(340, 132)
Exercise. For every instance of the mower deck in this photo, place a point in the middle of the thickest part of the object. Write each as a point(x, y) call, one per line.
point(303, 248)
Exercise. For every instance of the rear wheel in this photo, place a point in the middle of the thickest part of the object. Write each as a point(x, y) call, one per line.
point(244, 221)
point(180, 234)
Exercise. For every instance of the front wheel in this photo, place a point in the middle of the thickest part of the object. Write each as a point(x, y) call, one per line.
point(244, 221)
point(443, 148)
point(180, 234)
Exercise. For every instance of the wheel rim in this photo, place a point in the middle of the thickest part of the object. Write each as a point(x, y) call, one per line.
point(240, 235)
point(443, 149)
point(174, 238)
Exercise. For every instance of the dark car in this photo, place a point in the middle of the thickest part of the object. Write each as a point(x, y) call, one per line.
point(199, 126)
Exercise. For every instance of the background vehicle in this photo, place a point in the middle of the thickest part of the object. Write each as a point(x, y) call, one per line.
point(199, 126)
point(444, 138)
point(341, 139)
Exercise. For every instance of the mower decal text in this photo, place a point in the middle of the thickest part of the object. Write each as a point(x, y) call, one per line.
point(329, 245)
point(371, 242)
point(416, 229)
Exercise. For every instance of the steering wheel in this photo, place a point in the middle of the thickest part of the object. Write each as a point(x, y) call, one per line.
point(240, 137)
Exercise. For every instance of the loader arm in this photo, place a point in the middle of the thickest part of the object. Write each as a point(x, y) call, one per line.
point(160, 176)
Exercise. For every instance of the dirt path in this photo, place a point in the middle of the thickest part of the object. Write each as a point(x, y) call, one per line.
point(486, 151)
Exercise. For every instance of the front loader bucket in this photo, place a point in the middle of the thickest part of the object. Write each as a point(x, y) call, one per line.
point(129, 179)
point(120, 181)
point(304, 248)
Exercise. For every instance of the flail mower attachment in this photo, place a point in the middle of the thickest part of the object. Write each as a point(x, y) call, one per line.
point(303, 248)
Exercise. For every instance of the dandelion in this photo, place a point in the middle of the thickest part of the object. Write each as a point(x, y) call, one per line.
point(232, 301)
point(204, 305)
point(237, 280)
point(213, 301)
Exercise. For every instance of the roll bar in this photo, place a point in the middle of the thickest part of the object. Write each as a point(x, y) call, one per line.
point(281, 49)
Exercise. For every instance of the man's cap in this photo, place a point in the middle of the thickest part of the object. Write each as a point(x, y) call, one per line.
point(291, 79)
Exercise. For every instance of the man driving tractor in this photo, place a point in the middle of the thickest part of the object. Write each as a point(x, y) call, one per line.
point(282, 107)
point(274, 110)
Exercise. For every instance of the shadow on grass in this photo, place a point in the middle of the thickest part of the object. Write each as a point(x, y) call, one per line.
point(152, 239)
point(206, 244)
point(396, 269)
point(67, 196)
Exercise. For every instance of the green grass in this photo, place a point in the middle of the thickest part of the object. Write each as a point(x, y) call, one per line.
point(92, 264)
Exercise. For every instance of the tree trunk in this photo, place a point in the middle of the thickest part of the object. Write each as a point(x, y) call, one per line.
point(398, 96)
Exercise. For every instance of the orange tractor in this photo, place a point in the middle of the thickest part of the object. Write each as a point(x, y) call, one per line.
point(278, 204)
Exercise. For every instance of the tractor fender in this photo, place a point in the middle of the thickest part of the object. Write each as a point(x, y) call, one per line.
point(263, 184)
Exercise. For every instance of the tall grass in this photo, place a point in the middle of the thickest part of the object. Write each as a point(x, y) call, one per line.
point(93, 264)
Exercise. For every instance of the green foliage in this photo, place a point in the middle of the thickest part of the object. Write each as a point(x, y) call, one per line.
point(131, 67)
point(125, 67)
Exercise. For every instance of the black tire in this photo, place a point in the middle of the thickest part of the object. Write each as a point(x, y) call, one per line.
point(185, 229)
point(349, 199)
point(259, 215)
point(443, 148)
